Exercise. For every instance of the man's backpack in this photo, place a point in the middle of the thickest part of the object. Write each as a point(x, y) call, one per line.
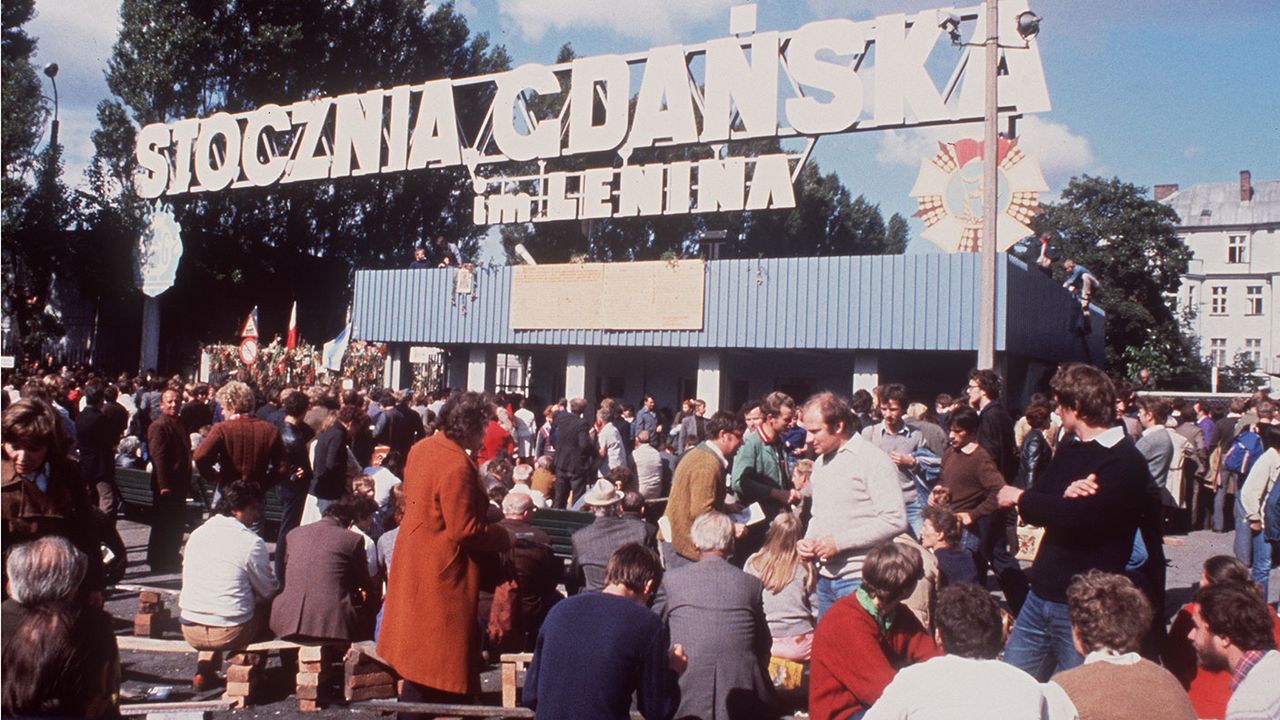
point(1244, 453)
point(1271, 513)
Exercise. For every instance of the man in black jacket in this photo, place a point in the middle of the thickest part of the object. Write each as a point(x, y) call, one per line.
point(575, 452)
point(96, 440)
point(170, 447)
point(331, 457)
point(293, 489)
point(995, 426)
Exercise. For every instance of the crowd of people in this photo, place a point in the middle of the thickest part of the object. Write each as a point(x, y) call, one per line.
point(827, 554)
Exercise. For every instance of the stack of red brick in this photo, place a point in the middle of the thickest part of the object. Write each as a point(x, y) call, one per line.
point(367, 679)
point(244, 677)
point(152, 618)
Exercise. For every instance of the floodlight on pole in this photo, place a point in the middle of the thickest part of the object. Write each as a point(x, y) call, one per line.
point(51, 71)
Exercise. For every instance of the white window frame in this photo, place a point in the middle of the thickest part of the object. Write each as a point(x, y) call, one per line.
point(1253, 300)
point(1218, 300)
point(1218, 351)
point(1253, 348)
point(1237, 249)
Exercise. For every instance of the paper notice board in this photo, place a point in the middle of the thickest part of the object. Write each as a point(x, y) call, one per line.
point(655, 295)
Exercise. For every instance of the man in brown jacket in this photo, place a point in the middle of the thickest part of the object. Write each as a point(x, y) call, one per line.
point(698, 486)
point(429, 631)
point(973, 481)
point(325, 573)
point(242, 447)
point(169, 445)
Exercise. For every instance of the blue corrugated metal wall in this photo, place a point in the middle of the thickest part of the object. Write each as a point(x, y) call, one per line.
point(888, 302)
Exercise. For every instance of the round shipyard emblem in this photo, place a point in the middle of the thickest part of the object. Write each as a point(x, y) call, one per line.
point(949, 192)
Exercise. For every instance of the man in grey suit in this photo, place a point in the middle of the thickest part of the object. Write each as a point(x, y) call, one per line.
point(715, 611)
point(1155, 444)
point(593, 544)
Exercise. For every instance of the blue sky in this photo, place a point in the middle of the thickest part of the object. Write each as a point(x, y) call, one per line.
point(1152, 92)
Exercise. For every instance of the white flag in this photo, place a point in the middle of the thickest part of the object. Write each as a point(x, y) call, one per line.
point(335, 349)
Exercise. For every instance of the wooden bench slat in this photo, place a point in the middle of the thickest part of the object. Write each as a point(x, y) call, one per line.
point(145, 644)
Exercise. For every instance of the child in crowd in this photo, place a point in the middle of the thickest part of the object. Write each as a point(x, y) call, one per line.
point(940, 534)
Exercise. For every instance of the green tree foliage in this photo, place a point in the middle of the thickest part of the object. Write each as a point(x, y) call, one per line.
point(268, 246)
point(1241, 376)
point(23, 112)
point(36, 210)
point(1127, 241)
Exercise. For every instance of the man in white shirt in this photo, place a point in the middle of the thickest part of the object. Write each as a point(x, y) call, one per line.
point(969, 681)
point(857, 503)
point(526, 427)
point(649, 467)
point(226, 581)
point(609, 442)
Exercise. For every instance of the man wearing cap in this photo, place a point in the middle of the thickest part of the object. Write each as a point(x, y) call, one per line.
point(593, 544)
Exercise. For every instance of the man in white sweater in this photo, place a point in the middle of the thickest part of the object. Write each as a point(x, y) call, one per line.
point(226, 581)
point(857, 503)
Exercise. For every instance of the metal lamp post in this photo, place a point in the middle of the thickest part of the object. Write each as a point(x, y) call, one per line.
point(1028, 27)
point(51, 71)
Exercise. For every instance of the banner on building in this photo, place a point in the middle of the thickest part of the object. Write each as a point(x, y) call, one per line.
point(656, 295)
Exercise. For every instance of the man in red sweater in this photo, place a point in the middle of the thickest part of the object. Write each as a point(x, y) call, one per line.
point(866, 637)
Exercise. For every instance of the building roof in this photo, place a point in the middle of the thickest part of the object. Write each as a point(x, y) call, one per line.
point(1218, 204)
point(925, 301)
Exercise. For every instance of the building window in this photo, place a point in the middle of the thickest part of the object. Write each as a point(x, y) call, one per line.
point(1253, 349)
point(1218, 300)
point(1237, 249)
point(1218, 352)
point(1253, 298)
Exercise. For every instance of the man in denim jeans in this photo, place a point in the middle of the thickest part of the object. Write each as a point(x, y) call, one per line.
point(1091, 501)
point(857, 503)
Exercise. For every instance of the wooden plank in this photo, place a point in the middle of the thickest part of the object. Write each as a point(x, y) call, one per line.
point(480, 711)
point(140, 644)
point(509, 688)
point(171, 707)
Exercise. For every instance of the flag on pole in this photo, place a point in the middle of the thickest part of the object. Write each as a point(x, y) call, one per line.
point(291, 341)
point(250, 329)
point(335, 349)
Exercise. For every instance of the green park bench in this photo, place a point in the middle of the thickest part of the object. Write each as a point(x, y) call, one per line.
point(135, 493)
point(560, 525)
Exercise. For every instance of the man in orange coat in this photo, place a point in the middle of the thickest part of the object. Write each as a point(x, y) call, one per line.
point(429, 631)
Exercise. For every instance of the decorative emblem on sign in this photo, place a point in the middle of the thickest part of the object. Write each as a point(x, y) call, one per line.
point(158, 252)
point(949, 191)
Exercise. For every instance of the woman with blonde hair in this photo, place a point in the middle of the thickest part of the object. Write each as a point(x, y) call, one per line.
point(788, 595)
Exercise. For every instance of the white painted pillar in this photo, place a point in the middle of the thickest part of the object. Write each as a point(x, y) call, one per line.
point(575, 373)
point(476, 368)
point(709, 380)
point(866, 371)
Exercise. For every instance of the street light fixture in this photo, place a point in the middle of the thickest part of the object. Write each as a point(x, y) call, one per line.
point(1028, 27)
point(51, 71)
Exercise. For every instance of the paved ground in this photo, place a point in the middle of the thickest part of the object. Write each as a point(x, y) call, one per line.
point(149, 676)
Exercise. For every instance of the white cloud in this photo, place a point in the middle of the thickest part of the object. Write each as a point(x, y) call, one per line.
point(1060, 152)
point(660, 22)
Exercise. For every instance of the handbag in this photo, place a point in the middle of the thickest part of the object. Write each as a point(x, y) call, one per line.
point(1029, 538)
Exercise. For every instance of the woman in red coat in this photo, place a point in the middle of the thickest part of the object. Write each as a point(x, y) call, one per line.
point(429, 631)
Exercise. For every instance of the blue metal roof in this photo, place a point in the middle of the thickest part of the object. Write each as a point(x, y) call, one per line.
point(886, 302)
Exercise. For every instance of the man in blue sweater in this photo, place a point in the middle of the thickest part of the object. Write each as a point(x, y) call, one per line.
point(596, 650)
point(1091, 502)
